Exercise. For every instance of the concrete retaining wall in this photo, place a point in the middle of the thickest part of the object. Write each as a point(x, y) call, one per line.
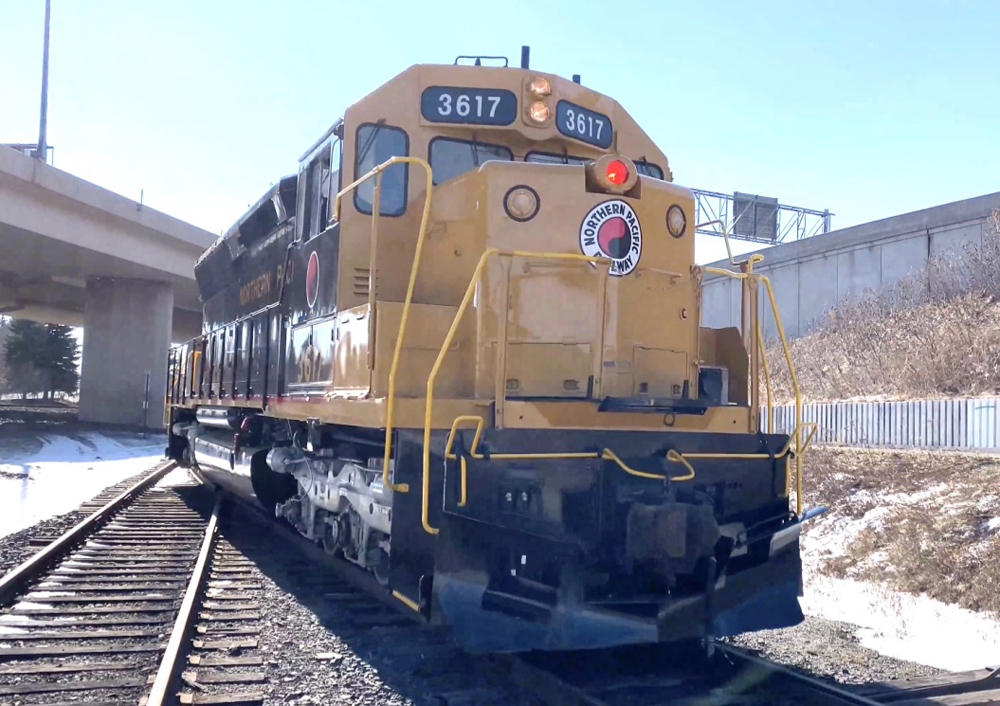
point(812, 275)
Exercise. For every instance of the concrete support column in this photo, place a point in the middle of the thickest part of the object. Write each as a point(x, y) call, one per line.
point(126, 332)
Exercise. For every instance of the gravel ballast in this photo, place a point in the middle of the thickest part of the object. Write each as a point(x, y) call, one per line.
point(16, 548)
point(830, 649)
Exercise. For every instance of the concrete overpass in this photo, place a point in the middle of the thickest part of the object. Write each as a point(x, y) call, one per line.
point(810, 276)
point(74, 253)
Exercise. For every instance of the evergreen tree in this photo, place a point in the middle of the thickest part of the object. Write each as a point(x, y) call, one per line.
point(62, 355)
point(41, 358)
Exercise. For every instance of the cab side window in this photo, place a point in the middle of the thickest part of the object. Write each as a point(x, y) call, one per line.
point(374, 145)
point(317, 196)
point(321, 185)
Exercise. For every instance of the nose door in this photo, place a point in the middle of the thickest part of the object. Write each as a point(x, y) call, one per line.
point(548, 340)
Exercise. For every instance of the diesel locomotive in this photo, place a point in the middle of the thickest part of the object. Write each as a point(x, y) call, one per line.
point(462, 350)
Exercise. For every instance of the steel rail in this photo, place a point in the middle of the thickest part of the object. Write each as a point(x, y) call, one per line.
point(166, 673)
point(829, 693)
point(558, 691)
point(18, 579)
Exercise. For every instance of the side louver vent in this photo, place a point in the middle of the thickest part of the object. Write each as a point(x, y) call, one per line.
point(361, 276)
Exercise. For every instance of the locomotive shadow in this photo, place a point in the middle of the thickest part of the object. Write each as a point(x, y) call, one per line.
point(417, 661)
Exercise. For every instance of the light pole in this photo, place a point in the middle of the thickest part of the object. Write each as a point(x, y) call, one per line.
point(42, 138)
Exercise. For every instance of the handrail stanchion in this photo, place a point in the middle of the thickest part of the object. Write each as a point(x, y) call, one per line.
point(426, 484)
point(798, 395)
point(767, 382)
point(404, 317)
point(748, 273)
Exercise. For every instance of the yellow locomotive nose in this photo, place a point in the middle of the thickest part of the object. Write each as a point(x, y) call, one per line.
point(612, 174)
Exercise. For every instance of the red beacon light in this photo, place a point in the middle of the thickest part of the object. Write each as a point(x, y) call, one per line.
point(617, 172)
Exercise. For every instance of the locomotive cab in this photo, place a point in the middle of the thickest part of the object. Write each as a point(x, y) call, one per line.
point(462, 350)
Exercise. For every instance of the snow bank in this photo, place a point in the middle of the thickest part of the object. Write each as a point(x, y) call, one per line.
point(67, 470)
point(914, 628)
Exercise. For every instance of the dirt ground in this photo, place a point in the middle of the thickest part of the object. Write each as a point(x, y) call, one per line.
point(925, 522)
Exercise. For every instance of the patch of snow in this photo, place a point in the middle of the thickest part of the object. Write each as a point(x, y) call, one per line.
point(915, 628)
point(11, 630)
point(66, 471)
point(993, 524)
point(20, 620)
point(30, 605)
point(831, 533)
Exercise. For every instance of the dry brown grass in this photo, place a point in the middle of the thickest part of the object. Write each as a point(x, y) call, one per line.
point(936, 333)
point(923, 516)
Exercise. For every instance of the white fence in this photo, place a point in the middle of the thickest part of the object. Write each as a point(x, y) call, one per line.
point(931, 424)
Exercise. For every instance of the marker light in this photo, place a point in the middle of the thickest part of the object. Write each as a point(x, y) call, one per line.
point(521, 203)
point(539, 112)
point(540, 87)
point(617, 172)
point(676, 221)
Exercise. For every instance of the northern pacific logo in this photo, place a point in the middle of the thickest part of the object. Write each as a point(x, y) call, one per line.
point(611, 229)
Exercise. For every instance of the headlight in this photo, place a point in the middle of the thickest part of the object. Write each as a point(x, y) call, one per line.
point(540, 87)
point(539, 112)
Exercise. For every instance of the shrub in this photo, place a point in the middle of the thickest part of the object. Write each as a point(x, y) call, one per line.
point(933, 333)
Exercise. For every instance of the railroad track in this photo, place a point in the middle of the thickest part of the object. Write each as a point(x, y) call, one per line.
point(655, 676)
point(99, 615)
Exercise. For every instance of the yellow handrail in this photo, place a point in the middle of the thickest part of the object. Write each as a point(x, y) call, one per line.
point(750, 274)
point(425, 216)
point(467, 297)
point(781, 454)
point(605, 454)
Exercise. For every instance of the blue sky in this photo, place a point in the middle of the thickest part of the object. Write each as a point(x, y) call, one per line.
point(866, 108)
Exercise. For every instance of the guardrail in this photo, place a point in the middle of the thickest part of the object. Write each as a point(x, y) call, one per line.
point(925, 424)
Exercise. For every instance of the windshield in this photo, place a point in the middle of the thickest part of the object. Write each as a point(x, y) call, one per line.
point(549, 158)
point(449, 158)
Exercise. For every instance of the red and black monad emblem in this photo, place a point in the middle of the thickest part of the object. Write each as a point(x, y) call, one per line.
point(312, 279)
point(611, 229)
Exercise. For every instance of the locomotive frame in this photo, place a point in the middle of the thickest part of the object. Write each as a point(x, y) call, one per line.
point(561, 476)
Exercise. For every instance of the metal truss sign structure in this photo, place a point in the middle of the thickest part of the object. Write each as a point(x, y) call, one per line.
point(757, 219)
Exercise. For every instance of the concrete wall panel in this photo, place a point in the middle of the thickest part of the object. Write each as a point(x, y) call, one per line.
point(715, 304)
point(817, 290)
point(901, 258)
point(786, 285)
point(953, 240)
point(857, 270)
